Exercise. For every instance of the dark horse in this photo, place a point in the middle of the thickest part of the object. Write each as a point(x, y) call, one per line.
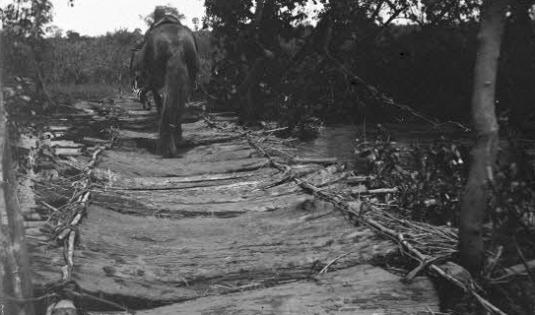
point(169, 62)
point(138, 85)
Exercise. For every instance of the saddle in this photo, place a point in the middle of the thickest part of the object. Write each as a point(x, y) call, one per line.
point(166, 19)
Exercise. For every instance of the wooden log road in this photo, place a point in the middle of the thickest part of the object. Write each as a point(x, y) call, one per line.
point(217, 230)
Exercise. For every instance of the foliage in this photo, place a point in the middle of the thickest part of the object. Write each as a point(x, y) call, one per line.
point(513, 197)
point(82, 60)
point(239, 43)
point(102, 61)
point(512, 218)
point(26, 19)
point(430, 178)
point(204, 44)
point(424, 63)
point(23, 23)
point(68, 62)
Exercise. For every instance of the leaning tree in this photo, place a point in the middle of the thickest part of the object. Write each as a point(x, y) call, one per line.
point(475, 199)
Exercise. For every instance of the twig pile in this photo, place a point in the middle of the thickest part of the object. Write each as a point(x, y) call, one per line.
point(75, 194)
point(66, 231)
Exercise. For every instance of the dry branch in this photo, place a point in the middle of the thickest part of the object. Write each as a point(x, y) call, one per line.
point(351, 180)
point(362, 190)
point(324, 270)
point(325, 161)
point(516, 270)
point(71, 214)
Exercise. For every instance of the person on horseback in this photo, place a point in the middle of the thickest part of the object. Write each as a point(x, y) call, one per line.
point(168, 62)
point(139, 87)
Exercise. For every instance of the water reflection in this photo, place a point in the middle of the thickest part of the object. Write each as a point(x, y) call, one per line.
point(340, 140)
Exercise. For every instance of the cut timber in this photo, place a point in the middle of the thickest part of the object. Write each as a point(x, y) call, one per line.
point(327, 161)
point(228, 197)
point(194, 134)
point(117, 181)
point(139, 164)
point(360, 290)
point(163, 205)
point(162, 260)
point(217, 228)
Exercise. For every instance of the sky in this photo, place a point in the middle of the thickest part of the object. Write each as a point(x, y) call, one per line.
point(96, 17)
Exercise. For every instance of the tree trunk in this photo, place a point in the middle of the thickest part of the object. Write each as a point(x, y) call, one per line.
point(474, 201)
point(15, 277)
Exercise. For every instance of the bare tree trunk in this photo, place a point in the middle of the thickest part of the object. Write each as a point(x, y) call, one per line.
point(474, 203)
point(40, 80)
point(39, 74)
point(15, 281)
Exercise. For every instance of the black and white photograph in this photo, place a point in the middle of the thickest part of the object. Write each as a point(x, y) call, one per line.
point(266, 157)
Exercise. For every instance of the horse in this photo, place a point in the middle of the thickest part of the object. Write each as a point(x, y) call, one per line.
point(169, 63)
point(138, 86)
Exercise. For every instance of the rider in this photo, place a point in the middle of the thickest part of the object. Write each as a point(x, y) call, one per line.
point(161, 16)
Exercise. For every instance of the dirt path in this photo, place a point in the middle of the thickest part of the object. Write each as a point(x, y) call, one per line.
point(217, 231)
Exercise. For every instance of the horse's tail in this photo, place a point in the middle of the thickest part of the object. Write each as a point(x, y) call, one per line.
point(177, 88)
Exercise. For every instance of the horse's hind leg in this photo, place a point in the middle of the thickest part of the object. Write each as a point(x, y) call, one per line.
point(143, 99)
point(157, 100)
point(166, 132)
point(167, 129)
point(176, 90)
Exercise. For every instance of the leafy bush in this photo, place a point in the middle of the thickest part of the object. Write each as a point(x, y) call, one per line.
point(425, 64)
point(429, 178)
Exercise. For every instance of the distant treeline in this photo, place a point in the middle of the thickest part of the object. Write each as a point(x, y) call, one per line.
point(427, 66)
point(83, 60)
point(429, 69)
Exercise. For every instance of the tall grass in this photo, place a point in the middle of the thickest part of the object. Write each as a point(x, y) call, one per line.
point(81, 67)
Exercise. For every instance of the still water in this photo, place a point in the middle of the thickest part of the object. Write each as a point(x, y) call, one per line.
point(340, 140)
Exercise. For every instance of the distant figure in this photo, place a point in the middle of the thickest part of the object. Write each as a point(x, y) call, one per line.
point(168, 61)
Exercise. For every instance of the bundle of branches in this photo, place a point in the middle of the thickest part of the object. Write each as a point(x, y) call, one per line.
point(59, 184)
point(439, 242)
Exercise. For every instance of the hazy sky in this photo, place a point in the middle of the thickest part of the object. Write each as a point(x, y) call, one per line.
point(96, 17)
